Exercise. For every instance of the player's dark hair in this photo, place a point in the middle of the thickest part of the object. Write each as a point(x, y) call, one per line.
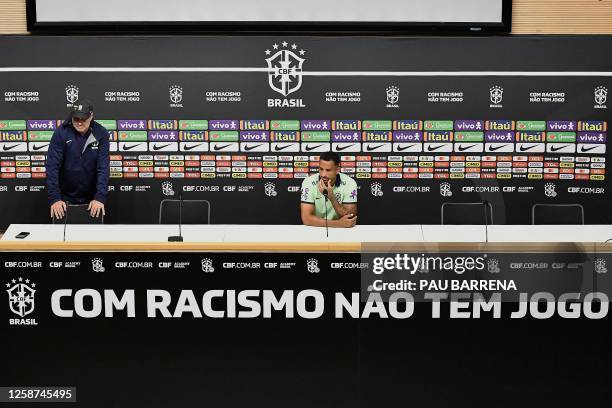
point(330, 156)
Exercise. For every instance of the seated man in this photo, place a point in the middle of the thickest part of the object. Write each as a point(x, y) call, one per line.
point(340, 207)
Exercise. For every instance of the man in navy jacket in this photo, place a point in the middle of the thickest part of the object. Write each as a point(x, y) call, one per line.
point(78, 163)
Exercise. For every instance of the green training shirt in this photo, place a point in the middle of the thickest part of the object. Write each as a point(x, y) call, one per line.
point(345, 190)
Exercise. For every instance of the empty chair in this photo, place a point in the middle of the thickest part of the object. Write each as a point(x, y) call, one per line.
point(467, 213)
point(78, 214)
point(557, 214)
point(194, 212)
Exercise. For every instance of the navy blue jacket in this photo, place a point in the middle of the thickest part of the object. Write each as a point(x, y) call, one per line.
point(78, 175)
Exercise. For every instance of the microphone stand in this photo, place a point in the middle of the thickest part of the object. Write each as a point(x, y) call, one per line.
point(179, 238)
point(326, 226)
point(65, 222)
point(485, 205)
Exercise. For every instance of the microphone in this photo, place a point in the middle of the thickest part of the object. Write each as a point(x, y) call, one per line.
point(65, 222)
point(326, 226)
point(179, 237)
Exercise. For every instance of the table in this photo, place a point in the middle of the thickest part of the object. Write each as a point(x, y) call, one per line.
point(298, 237)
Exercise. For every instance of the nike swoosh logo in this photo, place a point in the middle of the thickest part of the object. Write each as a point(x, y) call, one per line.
point(192, 147)
point(309, 148)
point(584, 149)
point(431, 149)
point(68, 141)
point(462, 148)
point(339, 148)
point(157, 147)
point(217, 147)
point(7, 148)
point(494, 148)
point(39, 147)
point(130, 147)
point(372, 148)
point(402, 148)
point(249, 148)
point(555, 148)
point(524, 149)
point(279, 148)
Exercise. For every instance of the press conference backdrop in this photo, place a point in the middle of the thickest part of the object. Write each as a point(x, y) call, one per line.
point(241, 121)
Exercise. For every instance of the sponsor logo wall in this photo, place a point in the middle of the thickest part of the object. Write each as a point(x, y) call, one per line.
point(412, 131)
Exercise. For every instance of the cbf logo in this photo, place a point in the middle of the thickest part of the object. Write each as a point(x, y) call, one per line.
point(270, 189)
point(312, 265)
point(97, 265)
point(207, 265)
point(493, 265)
point(550, 190)
point(167, 188)
point(392, 96)
point(285, 73)
point(445, 190)
point(176, 96)
point(376, 189)
point(72, 94)
point(600, 266)
point(601, 96)
point(496, 96)
point(21, 300)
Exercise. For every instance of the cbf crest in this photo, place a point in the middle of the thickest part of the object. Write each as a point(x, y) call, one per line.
point(285, 68)
point(21, 296)
point(601, 96)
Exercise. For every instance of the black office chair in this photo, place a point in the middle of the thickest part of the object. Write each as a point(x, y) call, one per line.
point(467, 214)
point(557, 214)
point(77, 214)
point(194, 212)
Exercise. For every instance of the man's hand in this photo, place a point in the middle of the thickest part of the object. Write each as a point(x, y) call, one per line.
point(58, 209)
point(348, 221)
point(326, 186)
point(321, 186)
point(96, 208)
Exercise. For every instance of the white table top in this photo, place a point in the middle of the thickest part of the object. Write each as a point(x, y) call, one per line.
point(300, 233)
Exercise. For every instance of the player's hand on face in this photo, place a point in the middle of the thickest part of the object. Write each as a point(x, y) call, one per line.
point(325, 185)
point(58, 209)
point(96, 208)
point(321, 186)
point(329, 185)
